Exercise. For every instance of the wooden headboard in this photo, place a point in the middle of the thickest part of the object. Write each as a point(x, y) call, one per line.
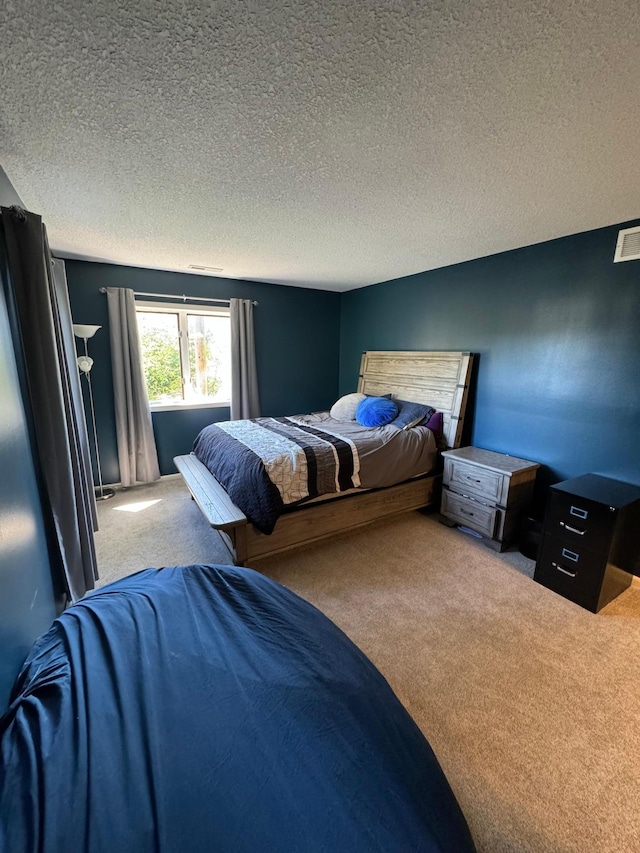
point(438, 379)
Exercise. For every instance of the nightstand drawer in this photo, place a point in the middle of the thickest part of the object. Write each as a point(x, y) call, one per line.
point(582, 524)
point(469, 513)
point(473, 480)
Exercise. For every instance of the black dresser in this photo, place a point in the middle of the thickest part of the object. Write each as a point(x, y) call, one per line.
point(591, 540)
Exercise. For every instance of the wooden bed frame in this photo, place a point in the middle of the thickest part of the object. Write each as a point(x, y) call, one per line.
point(438, 379)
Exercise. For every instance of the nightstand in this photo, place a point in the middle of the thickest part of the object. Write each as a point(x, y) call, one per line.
point(591, 540)
point(487, 492)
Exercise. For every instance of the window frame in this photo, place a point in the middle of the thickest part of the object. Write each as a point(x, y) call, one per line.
point(183, 310)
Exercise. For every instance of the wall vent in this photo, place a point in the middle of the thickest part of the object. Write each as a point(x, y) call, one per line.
point(628, 245)
point(201, 268)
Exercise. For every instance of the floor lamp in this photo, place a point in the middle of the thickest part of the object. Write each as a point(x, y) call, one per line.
point(84, 365)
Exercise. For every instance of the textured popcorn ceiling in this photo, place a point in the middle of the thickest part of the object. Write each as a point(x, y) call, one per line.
point(323, 143)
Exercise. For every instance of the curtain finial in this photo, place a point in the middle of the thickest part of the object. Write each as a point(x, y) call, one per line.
point(18, 213)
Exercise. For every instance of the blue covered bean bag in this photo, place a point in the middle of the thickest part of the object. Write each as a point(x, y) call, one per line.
point(207, 708)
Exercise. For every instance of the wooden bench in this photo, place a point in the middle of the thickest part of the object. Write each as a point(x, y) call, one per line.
point(215, 504)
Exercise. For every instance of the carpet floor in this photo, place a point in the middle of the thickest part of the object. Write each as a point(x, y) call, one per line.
point(152, 526)
point(529, 702)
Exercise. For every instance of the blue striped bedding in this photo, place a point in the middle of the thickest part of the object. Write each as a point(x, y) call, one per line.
point(266, 464)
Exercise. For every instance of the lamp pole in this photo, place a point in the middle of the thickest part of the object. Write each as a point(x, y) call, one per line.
point(85, 363)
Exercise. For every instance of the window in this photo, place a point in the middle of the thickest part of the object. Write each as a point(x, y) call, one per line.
point(186, 354)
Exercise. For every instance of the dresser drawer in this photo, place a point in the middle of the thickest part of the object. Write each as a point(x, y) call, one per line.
point(580, 523)
point(470, 513)
point(473, 480)
point(574, 573)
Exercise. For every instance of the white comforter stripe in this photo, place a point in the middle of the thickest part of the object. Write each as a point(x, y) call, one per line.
point(284, 460)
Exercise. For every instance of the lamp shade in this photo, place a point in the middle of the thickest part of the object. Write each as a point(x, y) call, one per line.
point(84, 331)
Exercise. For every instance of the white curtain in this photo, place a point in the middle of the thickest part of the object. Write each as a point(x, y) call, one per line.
point(137, 452)
point(245, 402)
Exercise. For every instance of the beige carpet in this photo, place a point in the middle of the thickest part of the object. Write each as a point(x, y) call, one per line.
point(530, 702)
point(152, 526)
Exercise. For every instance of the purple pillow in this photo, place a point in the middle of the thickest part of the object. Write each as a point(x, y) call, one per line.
point(435, 424)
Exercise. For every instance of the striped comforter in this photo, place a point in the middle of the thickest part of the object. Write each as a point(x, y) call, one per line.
point(266, 464)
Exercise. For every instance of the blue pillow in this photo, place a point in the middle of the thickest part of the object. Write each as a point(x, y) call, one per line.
point(411, 414)
point(376, 411)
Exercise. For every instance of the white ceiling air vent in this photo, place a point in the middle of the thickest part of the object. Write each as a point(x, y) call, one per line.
point(628, 245)
point(201, 268)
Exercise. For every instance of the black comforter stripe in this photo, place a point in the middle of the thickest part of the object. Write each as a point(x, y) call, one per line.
point(345, 453)
point(312, 462)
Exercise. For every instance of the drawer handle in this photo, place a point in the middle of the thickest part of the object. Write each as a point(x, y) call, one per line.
point(564, 571)
point(572, 529)
point(466, 512)
point(579, 513)
point(473, 479)
point(570, 555)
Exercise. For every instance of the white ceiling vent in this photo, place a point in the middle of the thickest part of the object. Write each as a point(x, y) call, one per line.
point(200, 268)
point(628, 245)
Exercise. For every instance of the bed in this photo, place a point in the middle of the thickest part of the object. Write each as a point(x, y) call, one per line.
point(203, 708)
point(437, 379)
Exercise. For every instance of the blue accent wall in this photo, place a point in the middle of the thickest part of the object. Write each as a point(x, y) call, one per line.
point(27, 605)
point(556, 327)
point(297, 347)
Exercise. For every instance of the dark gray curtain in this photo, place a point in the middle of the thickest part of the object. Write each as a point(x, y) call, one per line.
point(42, 308)
point(137, 452)
point(245, 401)
point(85, 484)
